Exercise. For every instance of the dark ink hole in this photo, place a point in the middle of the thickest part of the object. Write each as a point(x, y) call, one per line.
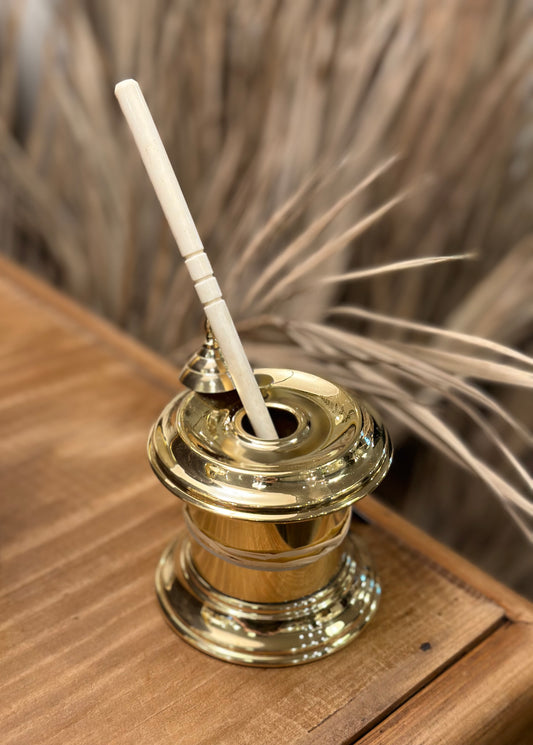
point(425, 647)
point(284, 421)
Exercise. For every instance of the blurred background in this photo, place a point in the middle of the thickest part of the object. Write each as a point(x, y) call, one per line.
point(361, 174)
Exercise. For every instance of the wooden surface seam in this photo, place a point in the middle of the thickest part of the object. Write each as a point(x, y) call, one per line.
point(341, 721)
point(465, 703)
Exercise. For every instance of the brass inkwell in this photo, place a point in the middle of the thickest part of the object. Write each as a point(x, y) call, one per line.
point(266, 571)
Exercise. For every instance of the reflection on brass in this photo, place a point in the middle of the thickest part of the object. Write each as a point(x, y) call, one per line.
point(253, 562)
point(267, 571)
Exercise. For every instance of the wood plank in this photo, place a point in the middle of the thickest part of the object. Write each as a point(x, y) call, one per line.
point(71, 313)
point(87, 656)
point(485, 699)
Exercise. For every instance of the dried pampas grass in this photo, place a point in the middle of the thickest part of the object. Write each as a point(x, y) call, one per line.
point(361, 176)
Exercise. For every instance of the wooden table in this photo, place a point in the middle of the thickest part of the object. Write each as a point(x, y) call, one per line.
point(86, 654)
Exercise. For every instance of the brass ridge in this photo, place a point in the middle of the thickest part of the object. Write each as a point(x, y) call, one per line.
point(271, 560)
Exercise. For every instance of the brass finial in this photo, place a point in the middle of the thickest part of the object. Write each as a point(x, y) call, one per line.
point(205, 371)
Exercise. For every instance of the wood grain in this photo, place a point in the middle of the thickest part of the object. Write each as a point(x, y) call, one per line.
point(86, 654)
point(485, 699)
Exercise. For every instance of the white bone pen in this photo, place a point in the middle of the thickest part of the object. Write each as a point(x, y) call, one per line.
point(184, 230)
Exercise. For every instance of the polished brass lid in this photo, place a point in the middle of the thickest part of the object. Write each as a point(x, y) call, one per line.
point(331, 452)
